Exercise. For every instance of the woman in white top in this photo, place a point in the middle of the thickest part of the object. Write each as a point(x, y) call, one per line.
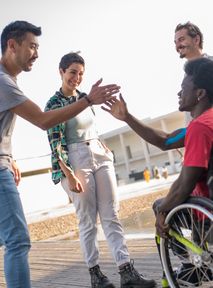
point(84, 166)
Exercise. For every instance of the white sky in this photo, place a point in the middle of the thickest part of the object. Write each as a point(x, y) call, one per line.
point(128, 42)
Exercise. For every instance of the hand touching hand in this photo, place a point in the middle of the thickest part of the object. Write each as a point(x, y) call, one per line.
point(100, 94)
point(117, 108)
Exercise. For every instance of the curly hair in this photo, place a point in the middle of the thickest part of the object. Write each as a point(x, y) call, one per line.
point(201, 71)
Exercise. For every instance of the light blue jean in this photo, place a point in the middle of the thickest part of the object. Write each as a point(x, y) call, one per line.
point(93, 165)
point(13, 233)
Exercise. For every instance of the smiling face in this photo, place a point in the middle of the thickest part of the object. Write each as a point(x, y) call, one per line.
point(71, 78)
point(188, 97)
point(26, 52)
point(187, 46)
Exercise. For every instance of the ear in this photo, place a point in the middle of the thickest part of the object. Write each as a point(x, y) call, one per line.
point(201, 93)
point(197, 39)
point(11, 44)
point(61, 72)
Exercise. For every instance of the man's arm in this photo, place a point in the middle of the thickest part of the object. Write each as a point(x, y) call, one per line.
point(165, 141)
point(159, 138)
point(181, 188)
point(45, 120)
point(178, 193)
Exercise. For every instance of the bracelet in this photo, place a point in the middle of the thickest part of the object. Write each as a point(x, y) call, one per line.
point(88, 100)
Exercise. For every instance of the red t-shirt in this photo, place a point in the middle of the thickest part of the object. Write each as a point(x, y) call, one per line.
point(198, 146)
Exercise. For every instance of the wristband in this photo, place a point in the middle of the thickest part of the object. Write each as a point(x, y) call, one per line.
point(88, 100)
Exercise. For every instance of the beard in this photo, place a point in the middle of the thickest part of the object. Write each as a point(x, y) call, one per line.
point(28, 66)
point(182, 55)
point(27, 69)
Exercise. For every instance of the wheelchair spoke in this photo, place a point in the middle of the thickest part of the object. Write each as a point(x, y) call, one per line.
point(187, 254)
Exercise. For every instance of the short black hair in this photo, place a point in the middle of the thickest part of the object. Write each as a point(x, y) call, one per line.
point(69, 59)
point(192, 29)
point(201, 70)
point(17, 30)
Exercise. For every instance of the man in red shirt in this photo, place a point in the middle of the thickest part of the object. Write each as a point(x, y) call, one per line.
point(196, 96)
point(198, 145)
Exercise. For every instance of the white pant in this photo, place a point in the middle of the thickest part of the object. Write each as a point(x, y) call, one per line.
point(93, 165)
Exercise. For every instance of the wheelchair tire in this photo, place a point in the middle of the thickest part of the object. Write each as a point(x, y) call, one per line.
point(193, 220)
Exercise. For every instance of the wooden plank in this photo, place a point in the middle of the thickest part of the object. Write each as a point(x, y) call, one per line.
point(60, 264)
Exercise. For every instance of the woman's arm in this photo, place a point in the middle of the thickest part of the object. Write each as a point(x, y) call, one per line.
point(74, 183)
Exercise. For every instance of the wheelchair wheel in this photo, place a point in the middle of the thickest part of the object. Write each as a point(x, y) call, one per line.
point(187, 254)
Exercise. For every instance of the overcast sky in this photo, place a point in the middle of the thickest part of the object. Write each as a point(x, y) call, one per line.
point(128, 42)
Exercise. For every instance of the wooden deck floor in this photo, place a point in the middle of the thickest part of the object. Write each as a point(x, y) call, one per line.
point(60, 264)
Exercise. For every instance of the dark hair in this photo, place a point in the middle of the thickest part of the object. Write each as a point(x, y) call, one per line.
point(192, 29)
point(201, 70)
point(17, 30)
point(69, 59)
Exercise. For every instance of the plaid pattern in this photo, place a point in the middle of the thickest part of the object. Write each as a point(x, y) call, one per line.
point(56, 135)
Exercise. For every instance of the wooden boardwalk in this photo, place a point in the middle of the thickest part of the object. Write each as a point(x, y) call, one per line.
point(60, 264)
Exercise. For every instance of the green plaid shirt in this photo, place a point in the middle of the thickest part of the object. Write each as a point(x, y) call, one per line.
point(56, 136)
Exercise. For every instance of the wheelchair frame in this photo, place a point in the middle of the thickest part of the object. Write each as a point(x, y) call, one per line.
point(185, 225)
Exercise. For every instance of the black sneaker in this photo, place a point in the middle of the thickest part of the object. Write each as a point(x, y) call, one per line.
point(131, 278)
point(187, 274)
point(98, 279)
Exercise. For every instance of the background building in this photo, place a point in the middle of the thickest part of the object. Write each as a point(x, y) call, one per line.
point(132, 154)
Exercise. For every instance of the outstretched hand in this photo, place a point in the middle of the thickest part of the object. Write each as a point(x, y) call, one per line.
point(100, 94)
point(116, 107)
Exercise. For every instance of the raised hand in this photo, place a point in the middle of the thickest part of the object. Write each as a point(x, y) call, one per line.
point(101, 94)
point(117, 108)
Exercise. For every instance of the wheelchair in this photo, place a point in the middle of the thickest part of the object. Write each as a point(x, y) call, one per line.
point(189, 244)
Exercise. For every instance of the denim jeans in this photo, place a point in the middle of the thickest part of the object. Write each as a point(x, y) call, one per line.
point(13, 233)
point(93, 165)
